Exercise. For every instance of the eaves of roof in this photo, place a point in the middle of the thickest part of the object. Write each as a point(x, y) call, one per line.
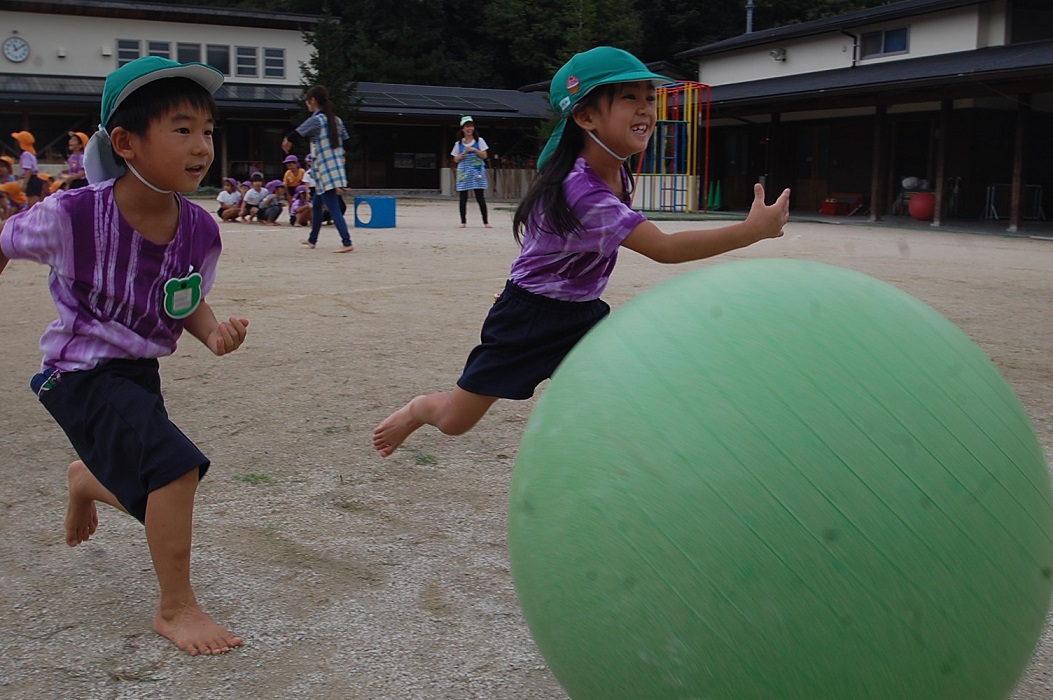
point(137, 9)
point(892, 11)
point(444, 101)
point(966, 71)
point(374, 99)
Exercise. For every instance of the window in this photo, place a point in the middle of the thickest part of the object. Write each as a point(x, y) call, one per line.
point(218, 57)
point(274, 63)
point(188, 53)
point(885, 42)
point(127, 51)
point(247, 61)
point(159, 48)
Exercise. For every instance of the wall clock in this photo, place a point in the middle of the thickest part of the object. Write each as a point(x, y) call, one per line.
point(16, 49)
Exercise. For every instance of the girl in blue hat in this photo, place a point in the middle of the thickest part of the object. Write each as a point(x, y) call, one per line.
point(571, 225)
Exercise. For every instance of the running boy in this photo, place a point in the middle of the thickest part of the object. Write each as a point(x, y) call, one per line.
point(131, 263)
point(571, 224)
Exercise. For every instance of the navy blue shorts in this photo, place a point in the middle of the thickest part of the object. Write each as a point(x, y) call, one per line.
point(115, 418)
point(524, 338)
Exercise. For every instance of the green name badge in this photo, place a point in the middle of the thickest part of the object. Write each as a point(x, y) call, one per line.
point(182, 295)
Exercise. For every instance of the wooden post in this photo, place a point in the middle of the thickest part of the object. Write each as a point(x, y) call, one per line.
point(877, 171)
point(775, 155)
point(1023, 110)
point(941, 160)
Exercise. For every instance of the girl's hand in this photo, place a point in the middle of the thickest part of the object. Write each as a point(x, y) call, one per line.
point(228, 336)
point(769, 221)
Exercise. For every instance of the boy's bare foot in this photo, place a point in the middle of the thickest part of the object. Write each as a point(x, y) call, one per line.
point(307, 243)
point(196, 633)
point(344, 249)
point(394, 430)
point(81, 516)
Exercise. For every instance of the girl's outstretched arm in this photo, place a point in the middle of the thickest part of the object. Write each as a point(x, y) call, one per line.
point(762, 222)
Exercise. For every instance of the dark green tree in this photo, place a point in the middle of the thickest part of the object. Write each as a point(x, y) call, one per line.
point(510, 43)
point(534, 38)
point(330, 64)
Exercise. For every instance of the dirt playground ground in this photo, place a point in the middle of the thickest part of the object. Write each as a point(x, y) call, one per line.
point(350, 576)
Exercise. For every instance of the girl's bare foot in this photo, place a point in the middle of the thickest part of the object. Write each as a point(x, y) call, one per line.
point(344, 249)
point(394, 430)
point(464, 225)
point(81, 516)
point(194, 632)
point(307, 243)
point(487, 226)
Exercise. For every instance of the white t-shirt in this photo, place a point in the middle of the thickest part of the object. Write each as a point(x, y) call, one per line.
point(253, 197)
point(480, 143)
point(228, 198)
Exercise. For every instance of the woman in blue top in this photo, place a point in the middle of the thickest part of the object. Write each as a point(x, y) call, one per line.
point(327, 135)
point(469, 153)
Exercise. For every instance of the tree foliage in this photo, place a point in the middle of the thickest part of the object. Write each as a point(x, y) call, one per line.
point(331, 63)
point(510, 43)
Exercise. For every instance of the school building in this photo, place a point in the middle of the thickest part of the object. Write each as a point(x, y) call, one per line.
point(57, 53)
point(948, 99)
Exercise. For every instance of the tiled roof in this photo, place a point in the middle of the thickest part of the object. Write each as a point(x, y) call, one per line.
point(891, 11)
point(1020, 62)
point(374, 98)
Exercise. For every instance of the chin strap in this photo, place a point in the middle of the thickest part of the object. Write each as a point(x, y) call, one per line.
point(601, 144)
point(142, 179)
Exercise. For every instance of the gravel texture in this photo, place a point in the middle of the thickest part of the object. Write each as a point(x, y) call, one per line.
point(350, 576)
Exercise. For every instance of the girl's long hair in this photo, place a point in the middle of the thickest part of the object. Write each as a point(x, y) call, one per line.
point(320, 94)
point(545, 204)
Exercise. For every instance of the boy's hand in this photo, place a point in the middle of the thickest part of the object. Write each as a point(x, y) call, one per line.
point(228, 336)
point(769, 220)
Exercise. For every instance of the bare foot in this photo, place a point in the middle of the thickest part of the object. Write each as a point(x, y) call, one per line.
point(487, 226)
point(307, 243)
point(464, 225)
point(394, 430)
point(81, 516)
point(196, 633)
point(344, 249)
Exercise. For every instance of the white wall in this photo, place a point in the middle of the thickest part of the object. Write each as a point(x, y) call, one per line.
point(956, 30)
point(84, 40)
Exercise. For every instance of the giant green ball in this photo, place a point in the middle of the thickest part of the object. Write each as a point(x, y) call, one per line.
point(778, 479)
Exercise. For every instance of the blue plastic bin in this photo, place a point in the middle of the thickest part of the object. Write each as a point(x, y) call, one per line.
point(379, 212)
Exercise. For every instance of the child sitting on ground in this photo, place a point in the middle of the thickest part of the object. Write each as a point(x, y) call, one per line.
point(300, 209)
point(293, 176)
point(131, 264)
point(272, 204)
point(7, 168)
point(250, 201)
point(15, 198)
point(229, 199)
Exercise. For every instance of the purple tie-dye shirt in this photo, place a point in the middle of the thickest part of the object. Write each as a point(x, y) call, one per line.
point(578, 267)
point(106, 279)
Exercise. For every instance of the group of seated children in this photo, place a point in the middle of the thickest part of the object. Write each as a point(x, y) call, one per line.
point(254, 200)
